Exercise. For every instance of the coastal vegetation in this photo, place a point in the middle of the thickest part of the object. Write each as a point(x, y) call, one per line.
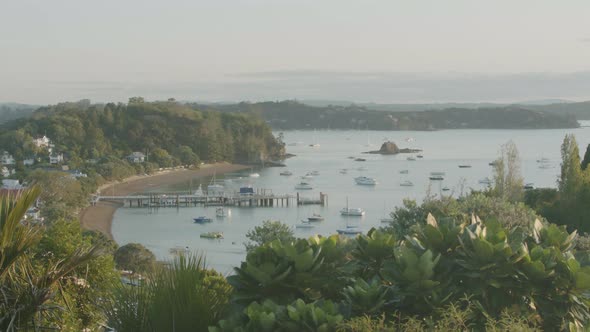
point(501, 259)
point(286, 115)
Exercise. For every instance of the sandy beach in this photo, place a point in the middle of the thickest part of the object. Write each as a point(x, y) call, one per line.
point(100, 216)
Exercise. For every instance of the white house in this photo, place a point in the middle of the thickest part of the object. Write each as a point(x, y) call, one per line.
point(7, 158)
point(42, 142)
point(136, 157)
point(77, 174)
point(56, 158)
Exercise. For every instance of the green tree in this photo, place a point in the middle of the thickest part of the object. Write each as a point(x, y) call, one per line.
point(508, 181)
point(135, 257)
point(269, 231)
point(571, 177)
point(187, 156)
point(586, 160)
point(29, 292)
point(162, 157)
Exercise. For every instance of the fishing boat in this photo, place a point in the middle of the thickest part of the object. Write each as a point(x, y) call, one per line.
point(214, 188)
point(367, 181)
point(406, 183)
point(436, 178)
point(303, 186)
point(404, 171)
point(485, 180)
point(212, 235)
point(315, 217)
point(286, 173)
point(202, 220)
point(464, 166)
point(411, 158)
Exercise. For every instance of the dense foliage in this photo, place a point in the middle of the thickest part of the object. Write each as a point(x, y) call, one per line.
point(568, 205)
point(136, 258)
point(49, 279)
point(294, 115)
point(168, 133)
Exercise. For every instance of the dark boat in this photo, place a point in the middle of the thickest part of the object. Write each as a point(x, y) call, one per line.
point(202, 220)
point(436, 178)
point(464, 166)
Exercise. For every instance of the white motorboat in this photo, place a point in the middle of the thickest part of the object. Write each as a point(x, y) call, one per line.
point(363, 180)
point(254, 175)
point(286, 173)
point(406, 183)
point(303, 186)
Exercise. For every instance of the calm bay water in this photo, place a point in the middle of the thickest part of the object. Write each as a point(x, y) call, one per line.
point(443, 151)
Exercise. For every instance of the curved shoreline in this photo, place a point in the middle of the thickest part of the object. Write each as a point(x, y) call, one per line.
point(99, 217)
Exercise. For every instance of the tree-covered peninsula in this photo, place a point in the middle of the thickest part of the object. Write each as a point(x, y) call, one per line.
point(295, 115)
point(158, 134)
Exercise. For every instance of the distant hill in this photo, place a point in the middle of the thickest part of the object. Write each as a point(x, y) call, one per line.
point(295, 115)
point(581, 110)
point(13, 111)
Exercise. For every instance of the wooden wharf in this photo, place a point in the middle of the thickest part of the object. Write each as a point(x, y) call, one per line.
point(261, 198)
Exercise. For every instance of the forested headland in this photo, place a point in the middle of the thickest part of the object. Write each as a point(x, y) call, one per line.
point(294, 115)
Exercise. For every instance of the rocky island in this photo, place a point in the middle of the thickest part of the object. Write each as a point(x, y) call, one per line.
point(392, 148)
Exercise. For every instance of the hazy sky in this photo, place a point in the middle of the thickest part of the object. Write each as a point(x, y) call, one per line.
point(222, 50)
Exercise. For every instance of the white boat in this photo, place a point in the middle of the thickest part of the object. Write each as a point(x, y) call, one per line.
point(303, 186)
point(221, 212)
point(286, 173)
point(315, 217)
point(485, 181)
point(404, 171)
point(315, 173)
point(254, 175)
point(304, 224)
point(409, 139)
point(363, 180)
point(357, 212)
point(314, 144)
point(349, 230)
point(213, 188)
point(411, 158)
point(406, 183)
